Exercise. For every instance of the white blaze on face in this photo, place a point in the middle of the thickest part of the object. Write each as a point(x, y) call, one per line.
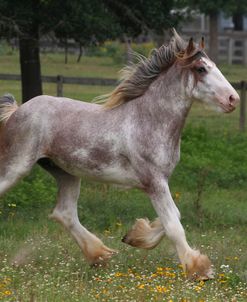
point(212, 87)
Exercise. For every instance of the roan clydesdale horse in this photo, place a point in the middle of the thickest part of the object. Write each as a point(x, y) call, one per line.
point(132, 140)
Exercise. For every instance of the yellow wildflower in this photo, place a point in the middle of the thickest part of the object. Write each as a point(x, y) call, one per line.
point(177, 195)
point(161, 289)
point(141, 286)
point(197, 288)
point(119, 274)
point(167, 268)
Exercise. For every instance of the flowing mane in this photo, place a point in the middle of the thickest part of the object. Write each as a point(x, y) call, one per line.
point(135, 79)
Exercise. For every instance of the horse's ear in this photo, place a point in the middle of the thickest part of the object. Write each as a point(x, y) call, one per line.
point(190, 48)
point(202, 43)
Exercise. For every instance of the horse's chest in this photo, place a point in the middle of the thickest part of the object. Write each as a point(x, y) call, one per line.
point(166, 158)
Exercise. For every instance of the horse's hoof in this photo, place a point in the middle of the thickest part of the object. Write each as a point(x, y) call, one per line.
point(199, 268)
point(144, 234)
point(101, 257)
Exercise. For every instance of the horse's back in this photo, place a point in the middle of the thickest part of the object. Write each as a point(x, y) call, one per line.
point(55, 115)
point(41, 119)
point(51, 105)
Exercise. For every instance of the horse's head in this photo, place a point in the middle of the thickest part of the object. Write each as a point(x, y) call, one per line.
point(204, 81)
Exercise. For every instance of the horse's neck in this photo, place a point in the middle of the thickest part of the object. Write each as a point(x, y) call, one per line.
point(165, 101)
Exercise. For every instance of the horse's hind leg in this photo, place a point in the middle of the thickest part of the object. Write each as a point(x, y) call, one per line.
point(11, 171)
point(65, 212)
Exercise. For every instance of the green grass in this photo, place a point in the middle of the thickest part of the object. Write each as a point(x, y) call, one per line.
point(53, 64)
point(234, 73)
point(208, 185)
point(52, 268)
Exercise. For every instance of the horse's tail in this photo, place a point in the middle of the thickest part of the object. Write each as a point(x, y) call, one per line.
point(8, 106)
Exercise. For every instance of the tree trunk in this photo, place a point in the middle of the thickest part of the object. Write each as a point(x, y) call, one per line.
point(238, 21)
point(66, 51)
point(129, 51)
point(30, 65)
point(213, 34)
point(81, 51)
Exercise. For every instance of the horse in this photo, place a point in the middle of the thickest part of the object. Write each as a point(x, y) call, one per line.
point(132, 140)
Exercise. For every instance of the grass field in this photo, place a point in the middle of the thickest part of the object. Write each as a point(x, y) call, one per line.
point(208, 185)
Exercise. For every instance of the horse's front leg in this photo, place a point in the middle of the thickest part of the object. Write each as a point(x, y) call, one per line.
point(196, 265)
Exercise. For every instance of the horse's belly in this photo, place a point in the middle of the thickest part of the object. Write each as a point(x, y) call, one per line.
point(117, 175)
point(114, 173)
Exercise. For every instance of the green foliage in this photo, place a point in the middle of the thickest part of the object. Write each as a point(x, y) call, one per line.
point(102, 206)
point(221, 157)
point(113, 49)
point(209, 6)
point(139, 16)
point(5, 48)
point(35, 192)
point(85, 21)
point(118, 51)
point(143, 48)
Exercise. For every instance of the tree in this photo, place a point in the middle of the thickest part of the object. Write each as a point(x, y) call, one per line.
point(212, 9)
point(237, 9)
point(19, 18)
point(78, 19)
point(30, 19)
point(145, 15)
point(87, 23)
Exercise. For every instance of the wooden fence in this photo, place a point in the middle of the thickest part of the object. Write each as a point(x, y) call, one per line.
point(61, 80)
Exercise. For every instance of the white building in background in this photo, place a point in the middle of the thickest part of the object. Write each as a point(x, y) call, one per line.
point(232, 45)
point(200, 22)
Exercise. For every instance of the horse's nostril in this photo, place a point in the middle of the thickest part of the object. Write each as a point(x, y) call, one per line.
point(232, 99)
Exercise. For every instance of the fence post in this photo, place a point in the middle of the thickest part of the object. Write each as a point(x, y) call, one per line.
point(245, 52)
point(59, 85)
point(230, 51)
point(242, 106)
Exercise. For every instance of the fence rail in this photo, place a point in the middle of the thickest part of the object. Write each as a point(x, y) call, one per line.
point(60, 80)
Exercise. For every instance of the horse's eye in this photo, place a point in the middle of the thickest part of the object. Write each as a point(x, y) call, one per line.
point(201, 70)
